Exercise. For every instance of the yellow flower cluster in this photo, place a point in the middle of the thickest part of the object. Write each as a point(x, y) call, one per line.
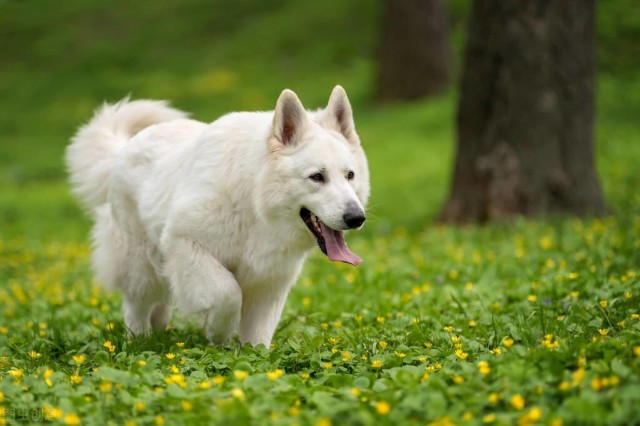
point(549, 342)
point(599, 383)
point(176, 379)
point(110, 346)
point(274, 375)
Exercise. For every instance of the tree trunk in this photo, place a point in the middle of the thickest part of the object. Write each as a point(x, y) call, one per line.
point(526, 113)
point(414, 58)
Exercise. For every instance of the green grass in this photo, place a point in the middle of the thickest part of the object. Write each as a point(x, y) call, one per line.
point(526, 322)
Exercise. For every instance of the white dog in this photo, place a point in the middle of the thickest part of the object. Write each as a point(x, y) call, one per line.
point(217, 218)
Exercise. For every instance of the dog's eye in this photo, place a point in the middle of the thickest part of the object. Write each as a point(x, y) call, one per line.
point(350, 175)
point(317, 177)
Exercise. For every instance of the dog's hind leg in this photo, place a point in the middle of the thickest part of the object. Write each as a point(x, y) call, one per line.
point(121, 261)
point(160, 316)
point(145, 307)
point(200, 284)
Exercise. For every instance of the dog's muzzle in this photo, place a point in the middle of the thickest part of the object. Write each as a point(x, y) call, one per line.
point(353, 217)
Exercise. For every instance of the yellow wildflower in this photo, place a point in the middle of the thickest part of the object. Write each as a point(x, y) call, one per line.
point(273, 375)
point(461, 354)
point(483, 367)
point(531, 416)
point(110, 346)
point(383, 408)
point(376, 363)
point(517, 401)
point(16, 374)
point(577, 377)
point(52, 413)
point(489, 418)
point(240, 374)
point(323, 421)
point(47, 376)
point(71, 419)
point(78, 359)
point(177, 379)
point(238, 394)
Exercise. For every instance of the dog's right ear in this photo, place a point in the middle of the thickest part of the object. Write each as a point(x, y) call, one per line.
point(289, 118)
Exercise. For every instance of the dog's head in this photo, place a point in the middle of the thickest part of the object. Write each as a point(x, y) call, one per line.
point(320, 171)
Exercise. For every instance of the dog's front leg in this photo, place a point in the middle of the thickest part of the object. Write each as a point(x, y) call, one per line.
point(261, 312)
point(200, 284)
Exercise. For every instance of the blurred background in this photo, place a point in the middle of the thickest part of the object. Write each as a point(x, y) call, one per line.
point(403, 64)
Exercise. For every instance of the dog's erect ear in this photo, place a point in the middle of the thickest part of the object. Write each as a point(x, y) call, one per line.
point(289, 118)
point(339, 115)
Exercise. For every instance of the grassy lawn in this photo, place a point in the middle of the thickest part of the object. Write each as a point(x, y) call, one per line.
point(521, 323)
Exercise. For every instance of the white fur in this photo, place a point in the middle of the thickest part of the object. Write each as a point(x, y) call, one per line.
point(205, 217)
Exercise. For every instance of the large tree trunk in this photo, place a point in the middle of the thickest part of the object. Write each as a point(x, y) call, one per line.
point(414, 58)
point(526, 113)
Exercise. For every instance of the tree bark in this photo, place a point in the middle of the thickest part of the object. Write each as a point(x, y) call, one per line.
point(415, 55)
point(526, 113)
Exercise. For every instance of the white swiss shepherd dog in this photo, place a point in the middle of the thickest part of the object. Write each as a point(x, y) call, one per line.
point(217, 218)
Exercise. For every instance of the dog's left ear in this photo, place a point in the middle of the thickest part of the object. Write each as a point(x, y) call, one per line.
point(338, 115)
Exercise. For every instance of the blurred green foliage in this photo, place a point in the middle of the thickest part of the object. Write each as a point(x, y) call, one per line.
point(210, 57)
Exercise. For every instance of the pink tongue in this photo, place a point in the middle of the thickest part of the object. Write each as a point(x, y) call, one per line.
point(337, 249)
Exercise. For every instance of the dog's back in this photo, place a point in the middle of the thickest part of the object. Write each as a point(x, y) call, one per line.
point(91, 155)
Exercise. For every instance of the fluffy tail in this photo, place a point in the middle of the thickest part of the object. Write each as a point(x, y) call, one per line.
point(91, 155)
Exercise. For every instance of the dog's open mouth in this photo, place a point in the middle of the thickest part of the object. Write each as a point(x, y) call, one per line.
point(331, 242)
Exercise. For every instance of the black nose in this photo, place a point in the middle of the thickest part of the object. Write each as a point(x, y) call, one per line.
point(354, 218)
